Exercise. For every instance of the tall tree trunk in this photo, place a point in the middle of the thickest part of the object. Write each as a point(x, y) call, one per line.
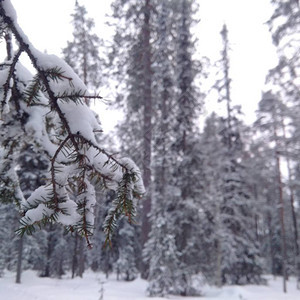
point(292, 204)
point(47, 271)
point(256, 216)
point(218, 272)
point(74, 258)
point(81, 257)
point(85, 67)
point(147, 129)
point(281, 212)
point(281, 208)
point(20, 258)
point(227, 82)
point(270, 237)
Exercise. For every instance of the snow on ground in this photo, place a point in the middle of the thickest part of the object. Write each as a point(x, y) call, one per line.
point(89, 287)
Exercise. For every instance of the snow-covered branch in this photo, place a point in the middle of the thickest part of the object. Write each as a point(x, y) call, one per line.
point(48, 110)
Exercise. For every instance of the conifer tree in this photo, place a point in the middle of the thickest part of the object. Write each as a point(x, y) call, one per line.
point(160, 251)
point(284, 25)
point(262, 180)
point(173, 100)
point(238, 249)
point(82, 53)
point(133, 54)
point(212, 150)
point(270, 119)
point(185, 168)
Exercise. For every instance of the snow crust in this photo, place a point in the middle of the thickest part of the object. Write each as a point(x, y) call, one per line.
point(88, 288)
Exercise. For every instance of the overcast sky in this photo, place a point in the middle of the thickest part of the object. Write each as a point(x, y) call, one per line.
point(48, 25)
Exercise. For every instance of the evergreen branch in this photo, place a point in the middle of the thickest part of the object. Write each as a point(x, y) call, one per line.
point(72, 146)
point(29, 229)
point(122, 205)
point(53, 99)
point(101, 150)
point(6, 85)
point(42, 73)
point(32, 91)
point(85, 229)
point(110, 223)
point(56, 74)
point(76, 95)
point(52, 170)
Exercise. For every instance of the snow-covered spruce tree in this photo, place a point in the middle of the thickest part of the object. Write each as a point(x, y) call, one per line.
point(238, 249)
point(48, 109)
point(226, 223)
point(82, 53)
point(132, 54)
point(212, 150)
point(161, 254)
point(169, 68)
point(160, 250)
point(185, 168)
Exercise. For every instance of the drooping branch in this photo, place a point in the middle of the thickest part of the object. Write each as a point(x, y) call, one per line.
point(75, 157)
point(45, 81)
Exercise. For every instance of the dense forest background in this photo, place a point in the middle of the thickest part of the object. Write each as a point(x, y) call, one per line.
point(222, 195)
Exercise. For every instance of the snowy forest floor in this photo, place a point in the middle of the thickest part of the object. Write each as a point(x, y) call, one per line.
point(89, 288)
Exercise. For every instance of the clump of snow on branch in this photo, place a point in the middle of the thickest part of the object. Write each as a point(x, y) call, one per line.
point(68, 83)
point(81, 119)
